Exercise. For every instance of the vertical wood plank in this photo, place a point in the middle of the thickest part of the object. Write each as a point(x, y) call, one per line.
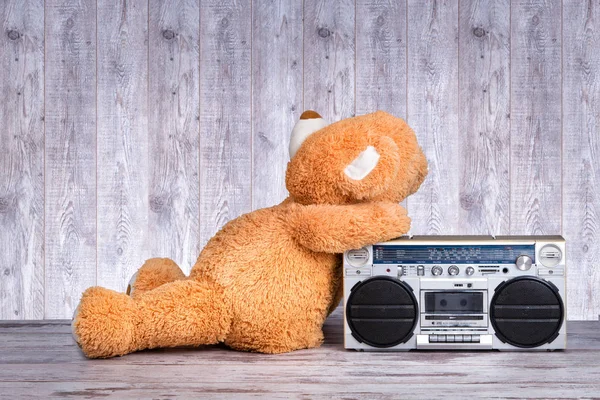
point(484, 118)
point(433, 112)
point(225, 115)
point(122, 140)
point(329, 58)
point(581, 155)
point(381, 56)
point(70, 153)
point(535, 205)
point(22, 159)
point(276, 94)
point(173, 96)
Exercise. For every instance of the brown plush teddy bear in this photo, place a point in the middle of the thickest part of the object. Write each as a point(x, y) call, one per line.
point(268, 279)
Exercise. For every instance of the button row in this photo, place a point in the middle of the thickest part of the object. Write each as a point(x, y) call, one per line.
point(454, 339)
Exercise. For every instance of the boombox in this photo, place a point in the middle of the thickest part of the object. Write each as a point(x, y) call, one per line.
point(456, 293)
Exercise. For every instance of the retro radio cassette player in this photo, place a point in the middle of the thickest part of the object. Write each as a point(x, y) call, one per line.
point(456, 293)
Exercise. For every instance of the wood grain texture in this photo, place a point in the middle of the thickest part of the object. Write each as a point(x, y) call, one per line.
point(225, 114)
point(433, 113)
point(329, 58)
point(381, 69)
point(40, 361)
point(276, 95)
point(581, 155)
point(381, 56)
point(535, 135)
point(173, 128)
point(196, 100)
point(22, 159)
point(484, 120)
point(122, 140)
point(70, 153)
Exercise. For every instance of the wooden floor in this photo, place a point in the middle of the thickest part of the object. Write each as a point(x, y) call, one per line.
point(39, 360)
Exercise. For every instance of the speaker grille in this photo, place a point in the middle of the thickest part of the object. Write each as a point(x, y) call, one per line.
point(382, 311)
point(526, 312)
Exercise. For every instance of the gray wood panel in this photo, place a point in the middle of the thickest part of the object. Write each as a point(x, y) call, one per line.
point(581, 155)
point(42, 360)
point(225, 114)
point(186, 125)
point(433, 113)
point(276, 95)
point(381, 57)
point(329, 58)
point(22, 159)
point(70, 115)
point(381, 68)
point(173, 130)
point(122, 140)
point(535, 134)
point(484, 117)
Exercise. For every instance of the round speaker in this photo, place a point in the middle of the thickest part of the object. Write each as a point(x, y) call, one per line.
point(526, 312)
point(382, 311)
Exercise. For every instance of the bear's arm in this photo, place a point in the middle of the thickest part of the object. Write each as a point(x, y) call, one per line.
point(337, 228)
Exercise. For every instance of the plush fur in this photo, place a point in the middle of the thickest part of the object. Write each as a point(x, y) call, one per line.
point(268, 279)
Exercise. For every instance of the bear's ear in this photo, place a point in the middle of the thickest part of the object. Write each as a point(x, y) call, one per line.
point(362, 165)
point(309, 122)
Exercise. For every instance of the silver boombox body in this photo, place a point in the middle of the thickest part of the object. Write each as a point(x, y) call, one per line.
point(456, 293)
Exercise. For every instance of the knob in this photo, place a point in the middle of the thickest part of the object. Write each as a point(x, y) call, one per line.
point(436, 270)
point(453, 270)
point(400, 271)
point(524, 263)
point(470, 271)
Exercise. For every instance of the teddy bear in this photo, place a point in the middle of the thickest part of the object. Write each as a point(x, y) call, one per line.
point(268, 279)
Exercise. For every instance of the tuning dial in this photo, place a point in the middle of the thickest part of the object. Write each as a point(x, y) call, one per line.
point(453, 270)
point(524, 263)
point(470, 271)
point(436, 270)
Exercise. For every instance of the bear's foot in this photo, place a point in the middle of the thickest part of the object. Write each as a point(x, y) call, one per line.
point(105, 323)
point(154, 273)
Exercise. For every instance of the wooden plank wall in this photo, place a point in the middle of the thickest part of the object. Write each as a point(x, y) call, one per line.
point(225, 114)
point(22, 160)
point(581, 153)
point(173, 129)
point(133, 129)
point(484, 117)
point(122, 140)
point(432, 111)
point(70, 154)
point(276, 94)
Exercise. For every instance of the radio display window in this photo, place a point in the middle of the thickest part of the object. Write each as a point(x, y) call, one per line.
point(457, 254)
point(454, 302)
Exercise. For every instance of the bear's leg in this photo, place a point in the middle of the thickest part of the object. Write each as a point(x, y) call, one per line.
point(180, 313)
point(276, 333)
point(154, 273)
point(277, 342)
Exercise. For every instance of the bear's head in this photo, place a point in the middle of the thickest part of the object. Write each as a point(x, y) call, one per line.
point(373, 157)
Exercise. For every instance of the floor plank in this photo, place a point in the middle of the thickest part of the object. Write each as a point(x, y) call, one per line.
point(38, 359)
